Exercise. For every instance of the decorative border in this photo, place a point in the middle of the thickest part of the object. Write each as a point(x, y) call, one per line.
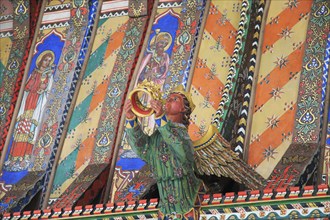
point(6, 17)
point(114, 14)
point(169, 4)
point(236, 60)
point(186, 40)
point(55, 25)
point(308, 118)
point(311, 201)
point(57, 7)
point(13, 74)
point(242, 124)
point(6, 34)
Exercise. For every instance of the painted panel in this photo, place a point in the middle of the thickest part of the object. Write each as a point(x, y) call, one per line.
point(80, 141)
point(17, 24)
point(47, 95)
point(6, 32)
point(213, 63)
point(301, 158)
point(167, 61)
point(277, 84)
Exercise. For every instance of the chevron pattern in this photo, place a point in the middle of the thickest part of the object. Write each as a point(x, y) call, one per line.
point(241, 131)
point(229, 88)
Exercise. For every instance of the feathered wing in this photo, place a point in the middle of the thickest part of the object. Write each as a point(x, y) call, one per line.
point(213, 156)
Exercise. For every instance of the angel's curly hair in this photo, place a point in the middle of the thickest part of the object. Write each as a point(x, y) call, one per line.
point(187, 112)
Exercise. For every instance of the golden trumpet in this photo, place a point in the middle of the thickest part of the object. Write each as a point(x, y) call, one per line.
point(141, 96)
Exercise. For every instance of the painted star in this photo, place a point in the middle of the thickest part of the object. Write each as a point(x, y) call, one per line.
point(269, 153)
point(281, 62)
point(292, 4)
point(286, 33)
point(276, 93)
point(272, 121)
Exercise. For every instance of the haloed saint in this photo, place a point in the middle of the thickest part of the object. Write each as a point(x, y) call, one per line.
point(154, 65)
point(35, 95)
point(154, 68)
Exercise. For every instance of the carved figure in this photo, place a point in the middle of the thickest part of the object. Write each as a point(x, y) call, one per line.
point(175, 160)
point(168, 151)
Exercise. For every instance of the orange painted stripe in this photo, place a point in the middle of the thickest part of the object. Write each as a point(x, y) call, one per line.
point(115, 40)
point(192, 131)
point(273, 31)
point(85, 150)
point(278, 78)
point(271, 137)
point(224, 31)
point(114, 44)
point(204, 85)
point(99, 94)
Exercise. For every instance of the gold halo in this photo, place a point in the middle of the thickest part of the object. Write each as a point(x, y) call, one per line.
point(42, 54)
point(160, 34)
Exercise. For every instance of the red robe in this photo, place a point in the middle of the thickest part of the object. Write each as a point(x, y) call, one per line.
point(24, 132)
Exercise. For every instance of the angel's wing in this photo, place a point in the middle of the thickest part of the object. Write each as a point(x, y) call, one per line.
point(213, 156)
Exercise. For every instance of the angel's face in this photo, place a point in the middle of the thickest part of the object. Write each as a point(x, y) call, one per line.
point(174, 104)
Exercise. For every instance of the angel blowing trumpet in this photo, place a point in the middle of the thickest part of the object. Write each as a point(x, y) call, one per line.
point(173, 157)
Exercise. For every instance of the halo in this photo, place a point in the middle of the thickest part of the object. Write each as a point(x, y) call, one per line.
point(42, 54)
point(161, 34)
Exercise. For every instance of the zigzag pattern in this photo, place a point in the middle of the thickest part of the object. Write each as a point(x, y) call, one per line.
point(6, 34)
point(55, 25)
point(241, 131)
point(57, 7)
point(114, 14)
point(6, 17)
point(169, 4)
point(221, 113)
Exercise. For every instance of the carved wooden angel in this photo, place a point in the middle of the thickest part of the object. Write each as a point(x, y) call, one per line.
point(175, 161)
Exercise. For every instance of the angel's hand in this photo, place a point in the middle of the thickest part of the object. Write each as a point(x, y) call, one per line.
point(157, 106)
point(128, 109)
